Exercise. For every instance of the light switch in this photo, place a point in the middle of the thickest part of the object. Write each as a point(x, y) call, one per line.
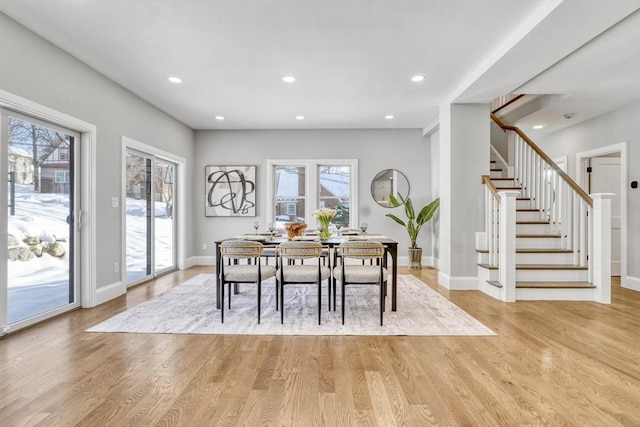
point(114, 202)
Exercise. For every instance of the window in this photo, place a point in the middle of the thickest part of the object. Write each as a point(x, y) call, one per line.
point(62, 177)
point(63, 154)
point(299, 187)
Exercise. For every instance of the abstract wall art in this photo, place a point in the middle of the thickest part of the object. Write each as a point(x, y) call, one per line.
point(230, 190)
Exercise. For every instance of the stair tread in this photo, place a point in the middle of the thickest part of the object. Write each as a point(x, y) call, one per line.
point(503, 178)
point(549, 267)
point(555, 285)
point(528, 210)
point(495, 170)
point(534, 251)
point(546, 285)
point(538, 235)
point(508, 188)
point(532, 222)
point(539, 267)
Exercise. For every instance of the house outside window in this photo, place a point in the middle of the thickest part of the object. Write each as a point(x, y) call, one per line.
point(297, 187)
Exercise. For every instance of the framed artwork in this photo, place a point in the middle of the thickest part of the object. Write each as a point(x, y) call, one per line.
point(230, 191)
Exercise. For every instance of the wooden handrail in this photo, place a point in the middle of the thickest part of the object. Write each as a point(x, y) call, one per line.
point(583, 195)
point(486, 179)
point(509, 102)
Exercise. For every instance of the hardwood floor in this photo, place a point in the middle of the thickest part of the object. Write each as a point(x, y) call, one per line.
point(552, 363)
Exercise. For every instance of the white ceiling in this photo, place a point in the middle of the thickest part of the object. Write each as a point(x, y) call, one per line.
point(352, 59)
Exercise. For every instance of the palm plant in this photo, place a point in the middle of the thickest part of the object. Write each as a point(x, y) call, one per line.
point(414, 223)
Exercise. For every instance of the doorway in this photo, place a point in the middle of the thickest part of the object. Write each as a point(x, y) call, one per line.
point(603, 170)
point(41, 221)
point(150, 214)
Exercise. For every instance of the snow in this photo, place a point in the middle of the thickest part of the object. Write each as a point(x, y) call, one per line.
point(41, 284)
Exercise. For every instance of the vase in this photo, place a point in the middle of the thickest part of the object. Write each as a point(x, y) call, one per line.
point(323, 231)
point(415, 258)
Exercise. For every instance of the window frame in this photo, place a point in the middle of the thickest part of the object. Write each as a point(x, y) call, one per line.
point(312, 186)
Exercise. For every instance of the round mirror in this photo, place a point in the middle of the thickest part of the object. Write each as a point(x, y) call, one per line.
point(389, 181)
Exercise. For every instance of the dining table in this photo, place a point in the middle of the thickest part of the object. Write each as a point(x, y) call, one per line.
point(269, 241)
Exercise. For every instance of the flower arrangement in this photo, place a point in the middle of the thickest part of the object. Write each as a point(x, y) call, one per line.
point(324, 217)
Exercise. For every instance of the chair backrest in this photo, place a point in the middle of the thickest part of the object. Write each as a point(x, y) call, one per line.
point(240, 249)
point(361, 250)
point(300, 249)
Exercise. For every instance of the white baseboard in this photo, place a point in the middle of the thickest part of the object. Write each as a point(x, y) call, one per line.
point(459, 283)
point(427, 261)
point(630, 282)
point(109, 292)
point(200, 260)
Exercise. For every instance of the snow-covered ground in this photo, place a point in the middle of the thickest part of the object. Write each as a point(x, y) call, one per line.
point(42, 283)
point(137, 239)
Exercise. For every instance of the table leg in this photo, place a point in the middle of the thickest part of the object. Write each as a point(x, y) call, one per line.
point(218, 276)
point(393, 251)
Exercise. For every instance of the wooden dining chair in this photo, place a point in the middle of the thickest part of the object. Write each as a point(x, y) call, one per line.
point(234, 251)
point(361, 274)
point(310, 273)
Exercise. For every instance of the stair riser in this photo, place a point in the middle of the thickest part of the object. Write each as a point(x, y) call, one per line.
point(528, 216)
point(537, 275)
point(523, 204)
point(538, 243)
point(534, 229)
point(488, 289)
point(551, 275)
point(535, 258)
point(495, 174)
point(527, 294)
point(484, 274)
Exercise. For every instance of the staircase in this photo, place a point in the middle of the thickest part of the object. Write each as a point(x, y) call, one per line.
point(544, 253)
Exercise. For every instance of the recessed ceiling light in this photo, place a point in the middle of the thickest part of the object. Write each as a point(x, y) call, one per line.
point(174, 79)
point(219, 117)
point(299, 117)
point(389, 116)
point(288, 79)
point(539, 126)
point(417, 78)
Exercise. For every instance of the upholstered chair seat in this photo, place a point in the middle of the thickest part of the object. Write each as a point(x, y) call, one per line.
point(309, 271)
point(360, 274)
point(355, 274)
point(233, 253)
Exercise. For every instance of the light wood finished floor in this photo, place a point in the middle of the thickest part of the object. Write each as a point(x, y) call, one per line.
point(552, 363)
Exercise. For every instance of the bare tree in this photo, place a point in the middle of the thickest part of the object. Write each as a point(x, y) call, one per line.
point(39, 141)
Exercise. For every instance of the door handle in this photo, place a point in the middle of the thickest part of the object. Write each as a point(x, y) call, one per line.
point(80, 217)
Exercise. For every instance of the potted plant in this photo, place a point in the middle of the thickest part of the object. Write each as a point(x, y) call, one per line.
point(414, 224)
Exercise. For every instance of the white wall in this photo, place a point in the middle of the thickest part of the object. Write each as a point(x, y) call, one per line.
point(464, 157)
point(434, 144)
point(35, 69)
point(622, 125)
point(403, 149)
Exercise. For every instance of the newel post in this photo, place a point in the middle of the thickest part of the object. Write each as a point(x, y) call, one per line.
point(601, 246)
point(507, 244)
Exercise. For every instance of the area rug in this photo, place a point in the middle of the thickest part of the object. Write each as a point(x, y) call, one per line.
point(189, 308)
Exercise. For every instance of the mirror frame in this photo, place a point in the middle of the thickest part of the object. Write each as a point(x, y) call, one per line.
point(389, 175)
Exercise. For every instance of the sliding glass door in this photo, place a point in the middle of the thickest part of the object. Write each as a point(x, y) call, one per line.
point(150, 225)
point(39, 265)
